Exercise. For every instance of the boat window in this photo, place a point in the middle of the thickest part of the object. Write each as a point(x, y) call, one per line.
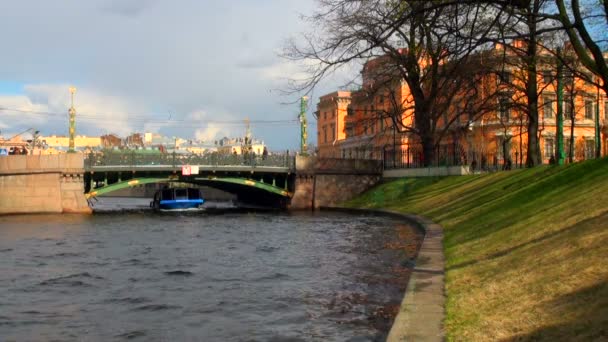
point(181, 193)
point(193, 194)
point(167, 194)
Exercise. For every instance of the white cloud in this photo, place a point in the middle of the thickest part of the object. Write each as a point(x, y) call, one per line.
point(211, 127)
point(18, 118)
point(45, 108)
point(210, 133)
point(150, 57)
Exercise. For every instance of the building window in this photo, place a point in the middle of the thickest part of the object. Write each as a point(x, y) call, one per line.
point(381, 124)
point(568, 78)
point(568, 109)
point(499, 147)
point(547, 76)
point(504, 77)
point(549, 148)
point(589, 148)
point(503, 109)
point(606, 110)
point(333, 132)
point(350, 130)
point(325, 134)
point(589, 109)
point(548, 107)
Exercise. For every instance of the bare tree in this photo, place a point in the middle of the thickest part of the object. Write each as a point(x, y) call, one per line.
point(421, 44)
point(579, 25)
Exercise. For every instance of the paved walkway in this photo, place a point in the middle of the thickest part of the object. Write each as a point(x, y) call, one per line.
point(422, 310)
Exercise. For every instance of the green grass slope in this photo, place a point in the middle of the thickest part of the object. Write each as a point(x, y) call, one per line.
point(526, 250)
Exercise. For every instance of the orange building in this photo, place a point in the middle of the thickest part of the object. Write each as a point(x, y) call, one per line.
point(331, 122)
point(359, 124)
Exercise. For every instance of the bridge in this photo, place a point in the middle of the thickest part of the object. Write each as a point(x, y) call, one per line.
point(265, 180)
point(61, 183)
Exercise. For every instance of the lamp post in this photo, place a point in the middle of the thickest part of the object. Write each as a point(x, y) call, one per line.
point(560, 156)
point(72, 112)
point(598, 141)
point(395, 145)
point(302, 117)
point(34, 141)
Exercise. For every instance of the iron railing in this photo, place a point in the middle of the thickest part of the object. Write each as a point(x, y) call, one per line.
point(132, 158)
point(445, 156)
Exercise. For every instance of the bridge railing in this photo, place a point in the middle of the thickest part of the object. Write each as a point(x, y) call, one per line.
point(175, 160)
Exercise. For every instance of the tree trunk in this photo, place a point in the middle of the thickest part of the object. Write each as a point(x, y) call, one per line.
point(423, 125)
point(533, 155)
point(428, 150)
point(571, 149)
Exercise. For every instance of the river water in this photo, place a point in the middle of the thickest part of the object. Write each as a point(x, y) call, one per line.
point(201, 277)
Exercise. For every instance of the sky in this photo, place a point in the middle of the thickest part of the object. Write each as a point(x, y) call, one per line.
point(189, 68)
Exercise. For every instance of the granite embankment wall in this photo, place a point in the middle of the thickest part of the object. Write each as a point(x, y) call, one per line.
point(42, 184)
point(324, 182)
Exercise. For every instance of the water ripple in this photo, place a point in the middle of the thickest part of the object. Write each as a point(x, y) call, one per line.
point(71, 280)
point(230, 277)
point(132, 334)
point(157, 307)
point(179, 273)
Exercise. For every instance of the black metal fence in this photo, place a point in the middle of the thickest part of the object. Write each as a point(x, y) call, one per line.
point(405, 157)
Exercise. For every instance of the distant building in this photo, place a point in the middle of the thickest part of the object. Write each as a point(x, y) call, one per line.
point(135, 139)
point(59, 144)
point(14, 144)
point(237, 145)
point(111, 140)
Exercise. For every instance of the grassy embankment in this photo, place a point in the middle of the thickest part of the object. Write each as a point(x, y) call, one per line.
point(526, 250)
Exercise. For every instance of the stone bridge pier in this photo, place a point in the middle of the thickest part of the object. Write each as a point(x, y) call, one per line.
point(42, 184)
point(327, 181)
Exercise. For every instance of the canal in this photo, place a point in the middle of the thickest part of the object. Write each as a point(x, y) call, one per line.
point(201, 277)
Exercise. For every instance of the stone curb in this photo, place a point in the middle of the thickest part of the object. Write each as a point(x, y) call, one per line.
point(422, 310)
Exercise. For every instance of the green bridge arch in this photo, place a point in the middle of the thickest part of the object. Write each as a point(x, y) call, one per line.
point(148, 180)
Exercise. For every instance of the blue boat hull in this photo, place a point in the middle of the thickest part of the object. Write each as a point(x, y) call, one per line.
point(180, 204)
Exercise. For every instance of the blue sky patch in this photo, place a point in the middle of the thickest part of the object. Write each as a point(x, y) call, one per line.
point(10, 88)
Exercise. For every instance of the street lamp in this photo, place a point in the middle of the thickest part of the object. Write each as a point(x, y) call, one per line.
point(34, 141)
point(302, 118)
point(598, 141)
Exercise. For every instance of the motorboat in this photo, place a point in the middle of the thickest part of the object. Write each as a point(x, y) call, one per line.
point(177, 198)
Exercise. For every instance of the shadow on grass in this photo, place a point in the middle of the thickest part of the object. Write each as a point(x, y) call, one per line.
point(583, 314)
point(596, 220)
point(542, 190)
